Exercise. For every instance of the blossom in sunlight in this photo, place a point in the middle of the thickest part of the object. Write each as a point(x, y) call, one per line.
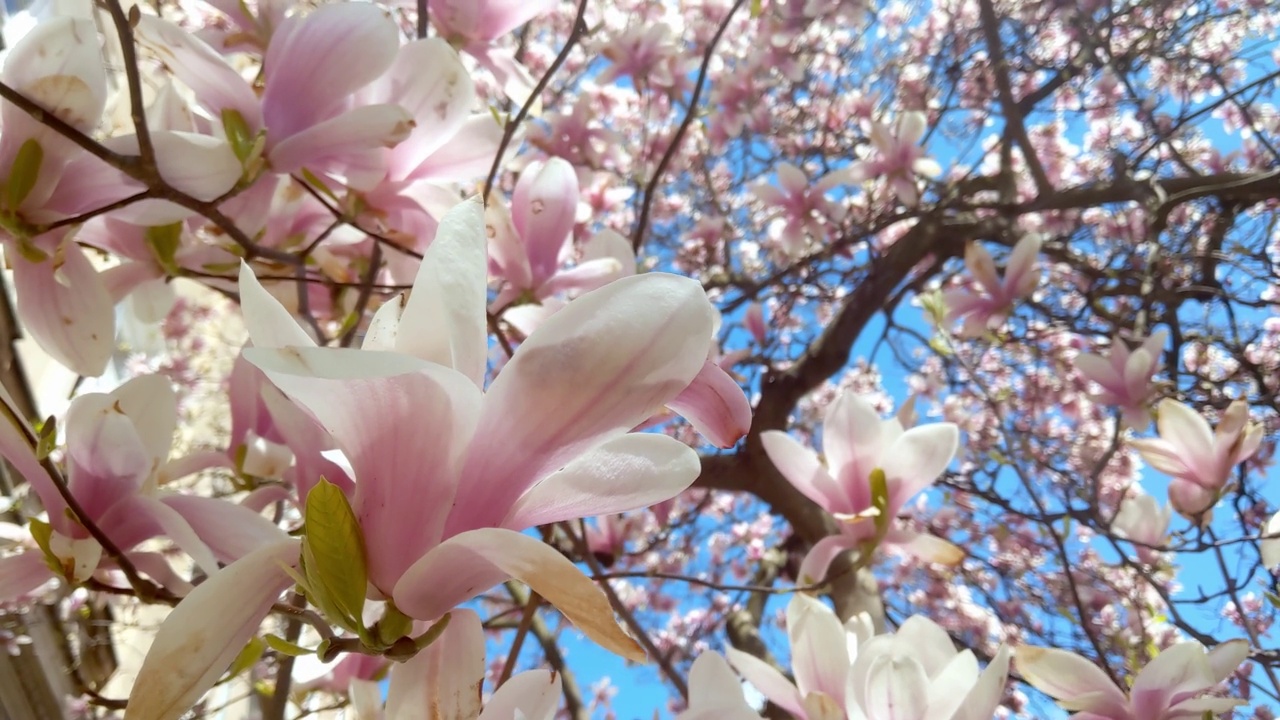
point(1125, 376)
point(447, 472)
point(987, 304)
point(1173, 685)
point(859, 445)
point(1142, 520)
point(1200, 460)
point(117, 460)
point(897, 157)
point(844, 671)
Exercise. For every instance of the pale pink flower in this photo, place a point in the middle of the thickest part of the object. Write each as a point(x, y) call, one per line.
point(897, 157)
point(1170, 687)
point(846, 671)
point(473, 25)
point(1125, 376)
point(805, 211)
point(1199, 460)
point(856, 442)
point(1142, 520)
point(117, 459)
point(988, 303)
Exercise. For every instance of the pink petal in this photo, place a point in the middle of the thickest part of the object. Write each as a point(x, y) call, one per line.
point(315, 61)
point(444, 319)
point(466, 565)
point(58, 64)
point(107, 460)
point(853, 441)
point(771, 683)
point(217, 86)
point(896, 687)
point(715, 693)
point(626, 473)
point(608, 244)
point(65, 305)
point(715, 405)
point(1188, 435)
point(21, 575)
point(813, 569)
point(791, 179)
point(911, 127)
point(444, 681)
point(230, 530)
point(799, 465)
point(597, 368)
point(152, 406)
point(543, 209)
point(428, 80)
point(269, 324)
point(915, 460)
point(469, 154)
point(982, 268)
point(985, 696)
point(1020, 274)
point(206, 631)
point(340, 139)
point(401, 422)
point(819, 650)
point(1182, 669)
point(584, 277)
point(535, 695)
point(486, 20)
point(1066, 676)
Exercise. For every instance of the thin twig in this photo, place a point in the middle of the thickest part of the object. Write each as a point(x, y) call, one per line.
point(642, 222)
point(579, 29)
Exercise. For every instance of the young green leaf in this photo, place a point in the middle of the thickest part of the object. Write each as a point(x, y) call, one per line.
point(333, 557)
point(284, 647)
point(24, 173)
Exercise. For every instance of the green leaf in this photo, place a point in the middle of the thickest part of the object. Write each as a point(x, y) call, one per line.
point(164, 241)
point(880, 501)
point(333, 556)
point(24, 173)
point(248, 657)
point(42, 533)
point(239, 136)
point(318, 184)
point(46, 438)
point(757, 6)
point(284, 647)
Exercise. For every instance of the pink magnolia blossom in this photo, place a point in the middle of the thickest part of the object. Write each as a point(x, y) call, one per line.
point(755, 324)
point(987, 305)
point(844, 671)
point(117, 459)
point(446, 472)
point(529, 246)
point(897, 157)
point(802, 207)
point(1125, 376)
point(316, 124)
point(1170, 687)
point(856, 442)
point(1199, 460)
point(1142, 520)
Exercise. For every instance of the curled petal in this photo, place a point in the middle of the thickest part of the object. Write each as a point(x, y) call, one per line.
point(715, 405)
point(65, 305)
point(206, 631)
point(468, 564)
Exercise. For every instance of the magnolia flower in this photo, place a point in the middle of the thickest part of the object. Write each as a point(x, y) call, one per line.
point(317, 125)
point(803, 207)
point(1142, 520)
point(1125, 376)
point(1199, 459)
point(846, 672)
point(447, 472)
point(897, 157)
point(1170, 687)
point(988, 304)
point(858, 443)
point(529, 245)
point(117, 457)
point(753, 320)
